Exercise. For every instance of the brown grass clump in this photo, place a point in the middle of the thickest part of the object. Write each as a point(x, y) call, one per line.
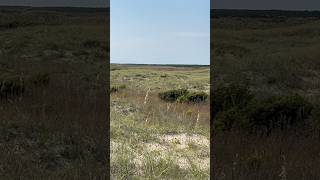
point(54, 133)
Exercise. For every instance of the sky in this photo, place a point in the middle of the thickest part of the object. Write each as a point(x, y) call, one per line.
point(160, 31)
point(266, 4)
point(70, 3)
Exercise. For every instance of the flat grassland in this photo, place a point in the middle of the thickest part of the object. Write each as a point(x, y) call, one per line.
point(269, 64)
point(152, 138)
point(53, 98)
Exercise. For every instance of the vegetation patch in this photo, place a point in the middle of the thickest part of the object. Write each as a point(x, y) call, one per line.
point(117, 88)
point(230, 96)
point(232, 49)
point(40, 79)
point(279, 112)
point(91, 43)
point(193, 97)
point(183, 96)
point(11, 85)
point(236, 108)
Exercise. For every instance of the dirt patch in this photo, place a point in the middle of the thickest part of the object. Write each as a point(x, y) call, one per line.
point(184, 140)
point(182, 146)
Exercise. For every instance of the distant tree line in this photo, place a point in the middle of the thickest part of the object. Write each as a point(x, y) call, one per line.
point(216, 13)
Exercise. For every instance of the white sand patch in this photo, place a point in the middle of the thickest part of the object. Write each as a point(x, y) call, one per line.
point(156, 147)
point(177, 146)
point(182, 141)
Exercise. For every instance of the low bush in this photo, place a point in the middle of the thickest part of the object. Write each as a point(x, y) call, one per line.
point(236, 108)
point(91, 43)
point(40, 79)
point(114, 69)
point(172, 95)
point(229, 119)
point(183, 96)
point(230, 96)
point(193, 97)
point(236, 50)
point(117, 88)
point(279, 112)
point(11, 85)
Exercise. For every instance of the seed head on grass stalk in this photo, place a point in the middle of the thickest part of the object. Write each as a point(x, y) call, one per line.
point(283, 173)
point(197, 120)
point(146, 97)
point(168, 107)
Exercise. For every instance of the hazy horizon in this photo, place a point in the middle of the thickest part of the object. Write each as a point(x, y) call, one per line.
point(160, 64)
point(57, 3)
point(160, 32)
point(266, 5)
point(265, 9)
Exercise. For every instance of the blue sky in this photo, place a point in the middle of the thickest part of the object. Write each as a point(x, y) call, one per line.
point(160, 31)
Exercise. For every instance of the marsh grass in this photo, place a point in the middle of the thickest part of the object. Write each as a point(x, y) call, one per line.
point(53, 132)
point(57, 128)
point(272, 57)
point(147, 126)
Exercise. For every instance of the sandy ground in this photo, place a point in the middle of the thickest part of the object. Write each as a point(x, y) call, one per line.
point(183, 148)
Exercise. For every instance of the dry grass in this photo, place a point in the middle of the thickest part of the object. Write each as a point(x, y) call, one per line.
point(273, 58)
point(279, 156)
point(154, 139)
point(58, 128)
point(55, 133)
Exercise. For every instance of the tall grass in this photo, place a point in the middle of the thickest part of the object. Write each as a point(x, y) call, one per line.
point(56, 128)
point(57, 131)
point(272, 58)
point(142, 127)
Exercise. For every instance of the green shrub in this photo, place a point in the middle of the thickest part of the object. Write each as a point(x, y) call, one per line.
point(279, 112)
point(172, 95)
point(229, 119)
point(193, 97)
point(236, 108)
point(91, 43)
point(230, 96)
point(141, 75)
point(254, 162)
point(314, 122)
point(117, 88)
point(11, 85)
point(53, 46)
point(114, 69)
point(236, 50)
point(40, 79)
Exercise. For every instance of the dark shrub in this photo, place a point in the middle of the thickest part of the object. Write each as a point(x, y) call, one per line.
point(280, 112)
point(91, 44)
point(40, 79)
point(172, 95)
point(11, 85)
point(141, 75)
point(52, 46)
point(229, 119)
point(117, 88)
point(193, 97)
point(315, 117)
point(236, 50)
point(114, 69)
point(235, 108)
point(230, 96)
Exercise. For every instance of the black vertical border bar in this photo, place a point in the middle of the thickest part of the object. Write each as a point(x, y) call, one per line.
point(108, 173)
point(211, 97)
